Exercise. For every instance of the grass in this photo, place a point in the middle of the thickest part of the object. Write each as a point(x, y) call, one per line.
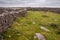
point(24, 29)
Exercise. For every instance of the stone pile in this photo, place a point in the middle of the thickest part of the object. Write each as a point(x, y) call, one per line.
point(7, 16)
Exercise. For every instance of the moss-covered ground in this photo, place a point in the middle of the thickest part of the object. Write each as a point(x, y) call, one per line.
point(24, 28)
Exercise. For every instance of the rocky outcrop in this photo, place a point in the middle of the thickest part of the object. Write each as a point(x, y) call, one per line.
point(8, 15)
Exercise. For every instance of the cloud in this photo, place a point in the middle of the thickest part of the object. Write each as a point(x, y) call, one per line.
point(30, 3)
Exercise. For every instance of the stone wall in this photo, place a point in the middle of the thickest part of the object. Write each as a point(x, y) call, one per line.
point(8, 15)
point(56, 10)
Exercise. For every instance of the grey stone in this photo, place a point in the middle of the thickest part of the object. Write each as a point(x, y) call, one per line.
point(1, 37)
point(45, 29)
point(39, 36)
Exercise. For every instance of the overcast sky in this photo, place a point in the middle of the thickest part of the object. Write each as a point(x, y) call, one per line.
point(30, 3)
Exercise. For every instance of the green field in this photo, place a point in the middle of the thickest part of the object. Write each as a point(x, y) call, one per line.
point(24, 28)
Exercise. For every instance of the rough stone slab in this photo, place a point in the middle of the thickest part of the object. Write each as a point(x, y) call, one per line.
point(1, 37)
point(39, 36)
point(45, 29)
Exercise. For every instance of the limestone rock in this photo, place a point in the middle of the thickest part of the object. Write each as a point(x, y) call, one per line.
point(43, 28)
point(39, 36)
point(1, 37)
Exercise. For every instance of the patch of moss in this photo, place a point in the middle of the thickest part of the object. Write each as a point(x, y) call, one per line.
point(27, 29)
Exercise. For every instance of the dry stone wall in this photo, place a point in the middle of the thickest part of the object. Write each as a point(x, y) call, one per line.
point(55, 10)
point(8, 15)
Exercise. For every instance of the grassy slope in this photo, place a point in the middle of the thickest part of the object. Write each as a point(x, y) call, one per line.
point(26, 30)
